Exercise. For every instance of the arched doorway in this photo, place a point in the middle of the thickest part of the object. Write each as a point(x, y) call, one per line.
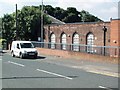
point(90, 43)
point(75, 42)
point(52, 41)
point(63, 41)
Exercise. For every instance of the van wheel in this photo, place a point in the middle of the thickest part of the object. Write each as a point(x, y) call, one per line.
point(12, 54)
point(21, 56)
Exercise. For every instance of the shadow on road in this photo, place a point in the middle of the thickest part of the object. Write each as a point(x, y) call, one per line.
point(34, 77)
point(32, 58)
point(41, 57)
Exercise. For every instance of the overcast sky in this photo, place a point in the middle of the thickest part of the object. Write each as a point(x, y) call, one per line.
point(103, 9)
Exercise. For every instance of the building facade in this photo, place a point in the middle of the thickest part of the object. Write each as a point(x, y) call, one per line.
point(90, 35)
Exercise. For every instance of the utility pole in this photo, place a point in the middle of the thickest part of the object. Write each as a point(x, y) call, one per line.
point(42, 40)
point(16, 24)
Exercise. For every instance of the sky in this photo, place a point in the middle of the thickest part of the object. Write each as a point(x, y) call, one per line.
point(103, 9)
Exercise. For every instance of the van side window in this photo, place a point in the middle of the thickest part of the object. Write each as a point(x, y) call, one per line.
point(14, 46)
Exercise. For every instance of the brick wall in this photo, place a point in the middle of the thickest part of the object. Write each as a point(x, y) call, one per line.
point(76, 55)
point(115, 37)
point(115, 33)
point(82, 30)
point(96, 28)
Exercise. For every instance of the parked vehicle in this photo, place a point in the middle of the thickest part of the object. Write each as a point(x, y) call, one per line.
point(23, 49)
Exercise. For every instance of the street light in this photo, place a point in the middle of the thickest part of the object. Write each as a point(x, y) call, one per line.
point(104, 38)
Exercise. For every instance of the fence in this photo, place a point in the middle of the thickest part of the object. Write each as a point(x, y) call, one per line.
point(99, 50)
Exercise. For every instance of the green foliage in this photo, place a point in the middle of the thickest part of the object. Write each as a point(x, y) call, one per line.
point(71, 15)
point(72, 18)
point(29, 17)
point(87, 17)
point(8, 27)
point(28, 24)
point(1, 43)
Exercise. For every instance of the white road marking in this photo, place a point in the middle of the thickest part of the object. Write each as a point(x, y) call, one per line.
point(0, 59)
point(54, 74)
point(16, 63)
point(105, 88)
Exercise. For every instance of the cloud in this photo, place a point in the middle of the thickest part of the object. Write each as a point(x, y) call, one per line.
point(10, 2)
point(110, 10)
point(81, 4)
point(110, 13)
point(76, 3)
point(103, 9)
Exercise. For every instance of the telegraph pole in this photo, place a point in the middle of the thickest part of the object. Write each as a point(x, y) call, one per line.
point(16, 24)
point(42, 40)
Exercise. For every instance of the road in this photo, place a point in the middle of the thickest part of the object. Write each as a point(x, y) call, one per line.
point(56, 72)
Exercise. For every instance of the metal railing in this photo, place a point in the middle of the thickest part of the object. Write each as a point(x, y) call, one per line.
point(99, 50)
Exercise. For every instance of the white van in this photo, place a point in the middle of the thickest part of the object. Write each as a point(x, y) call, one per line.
point(23, 49)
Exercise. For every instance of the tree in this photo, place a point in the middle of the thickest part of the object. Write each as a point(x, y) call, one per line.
point(72, 10)
point(29, 17)
point(8, 30)
point(49, 10)
point(87, 17)
point(72, 18)
point(58, 13)
point(72, 15)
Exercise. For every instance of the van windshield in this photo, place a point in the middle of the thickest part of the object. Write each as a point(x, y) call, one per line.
point(26, 45)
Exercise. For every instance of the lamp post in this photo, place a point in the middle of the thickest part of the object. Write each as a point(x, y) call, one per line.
point(104, 39)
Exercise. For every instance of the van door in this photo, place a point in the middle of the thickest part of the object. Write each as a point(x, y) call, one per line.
point(17, 50)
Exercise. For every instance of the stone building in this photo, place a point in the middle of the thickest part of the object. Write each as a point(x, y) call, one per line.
point(92, 37)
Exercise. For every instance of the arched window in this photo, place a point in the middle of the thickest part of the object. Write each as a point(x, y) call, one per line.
point(52, 40)
point(63, 41)
point(75, 42)
point(90, 42)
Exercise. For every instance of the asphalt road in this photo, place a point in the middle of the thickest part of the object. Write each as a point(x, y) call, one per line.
point(56, 72)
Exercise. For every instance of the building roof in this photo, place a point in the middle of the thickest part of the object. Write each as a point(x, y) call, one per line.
point(54, 20)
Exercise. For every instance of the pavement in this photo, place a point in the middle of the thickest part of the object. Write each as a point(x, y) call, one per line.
point(103, 68)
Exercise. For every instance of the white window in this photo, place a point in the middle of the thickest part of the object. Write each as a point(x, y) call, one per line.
point(90, 43)
point(52, 39)
point(75, 42)
point(63, 41)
